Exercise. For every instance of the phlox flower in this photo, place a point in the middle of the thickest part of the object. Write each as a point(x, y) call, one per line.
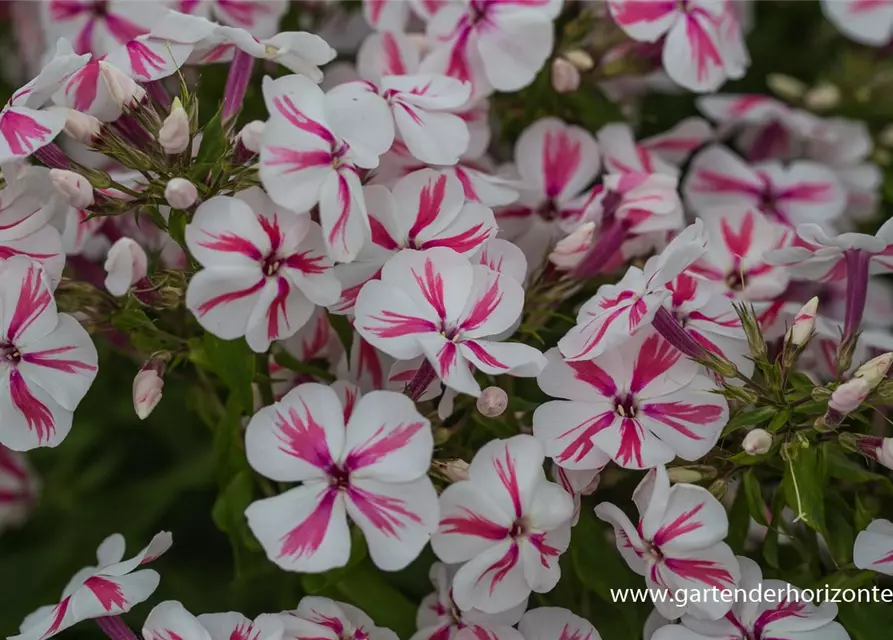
point(99, 27)
point(264, 269)
point(47, 360)
point(874, 547)
point(677, 544)
point(114, 586)
point(439, 618)
point(548, 623)
point(438, 304)
point(170, 619)
point(18, 488)
point(425, 209)
point(641, 404)
point(258, 17)
point(370, 465)
point(794, 619)
point(507, 524)
point(324, 619)
point(663, 153)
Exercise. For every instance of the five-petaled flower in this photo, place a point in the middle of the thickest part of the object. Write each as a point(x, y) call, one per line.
point(369, 463)
point(677, 544)
point(324, 619)
point(549, 623)
point(507, 524)
point(171, 621)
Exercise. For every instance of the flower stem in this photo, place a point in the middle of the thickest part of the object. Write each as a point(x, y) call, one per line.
point(423, 377)
point(264, 382)
point(115, 628)
point(665, 324)
point(237, 84)
point(857, 263)
point(52, 156)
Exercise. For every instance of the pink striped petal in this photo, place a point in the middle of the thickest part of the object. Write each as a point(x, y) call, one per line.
point(426, 203)
point(27, 301)
point(692, 55)
point(44, 246)
point(707, 571)
point(387, 53)
point(628, 541)
point(389, 320)
point(23, 131)
point(567, 431)
point(718, 177)
point(645, 20)
point(503, 357)
point(470, 523)
point(226, 232)
point(171, 621)
point(342, 211)
point(508, 471)
point(223, 300)
point(549, 623)
point(692, 519)
point(494, 304)
point(437, 280)
point(874, 548)
point(493, 581)
point(106, 595)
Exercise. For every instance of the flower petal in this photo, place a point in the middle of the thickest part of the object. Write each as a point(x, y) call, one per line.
point(492, 581)
point(223, 299)
point(567, 429)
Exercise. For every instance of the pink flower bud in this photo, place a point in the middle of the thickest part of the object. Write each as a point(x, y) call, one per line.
point(74, 187)
point(757, 442)
point(126, 264)
point(180, 193)
point(492, 402)
point(174, 133)
point(251, 134)
point(124, 91)
point(875, 370)
point(80, 126)
point(147, 388)
point(849, 396)
point(803, 324)
point(565, 76)
point(571, 250)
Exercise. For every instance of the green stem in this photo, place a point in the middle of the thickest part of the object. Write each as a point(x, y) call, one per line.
point(264, 383)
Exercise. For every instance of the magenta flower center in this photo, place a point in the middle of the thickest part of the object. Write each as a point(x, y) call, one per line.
point(625, 406)
point(653, 552)
point(10, 353)
point(338, 477)
point(271, 265)
point(100, 8)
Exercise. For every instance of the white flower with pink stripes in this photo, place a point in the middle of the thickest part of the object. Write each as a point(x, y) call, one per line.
point(677, 544)
point(867, 21)
point(779, 619)
point(425, 209)
point(438, 304)
point(325, 619)
point(507, 524)
point(265, 269)
point(258, 17)
point(439, 618)
point(312, 152)
point(114, 586)
point(874, 547)
point(548, 623)
point(663, 153)
point(18, 488)
point(47, 360)
point(802, 191)
point(24, 126)
point(370, 464)
point(640, 405)
point(170, 619)
point(701, 38)
point(100, 27)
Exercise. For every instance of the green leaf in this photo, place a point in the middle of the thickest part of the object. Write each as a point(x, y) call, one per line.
point(779, 420)
point(842, 467)
point(285, 359)
point(128, 320)
point(212, 149)
point(176, 226)
point(315, 583)
point(749, 417)
point(863, 516)
point(754, 497)
point(228, 514)
point(233, 362)
point(342, 329)
point(229, 455)
point(804, 487)
point(739, 522)
point(770, 545)
point(840, 535)
point(366, 587)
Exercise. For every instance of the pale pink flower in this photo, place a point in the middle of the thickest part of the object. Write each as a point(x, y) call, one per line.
point(173, 136)
point(18, 488)
point(677, 544)
point(305, 160)
point(849, 396)
point(147, 391)
point(180, 193)
point(757, 442)
point(259, 17)
point(125, 265)
point(640, 405)
point(100, 27)
point(548, 623)
point(781, 619)
point(507, 524)
point(372, 466)
point(565, 76)
point(324, 619)
point(111, 588)
point(24, 127)
point(265, 269)
point(570, 250)
point(864, 21)
point(438, 304)
point(874, 548)
point(425, 209)
point(171, 620)
point(702, 45)
point(663, 153)
point(439, 618)
point(47, 360)
point(473, 41)
point(492, 402)
point(800, 192)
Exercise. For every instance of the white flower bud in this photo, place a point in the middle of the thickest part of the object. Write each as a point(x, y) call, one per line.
point(684, 475)
point(885, 453)
point(180, 193)
point(569, 251)
point(875, 370)
point(251, 134)
point(849, 396)
point(126, 264)
point(492, 402)
point(147, 388)
point(580, 59)
point(757, 442)
point(822, 97)
point(80, 126)
point(785, 86)
point(804, 323)
point(455, 470)
point(124, 91)
point(74, 187)
point(565, 76)
point(174, 133)
point(885, 137)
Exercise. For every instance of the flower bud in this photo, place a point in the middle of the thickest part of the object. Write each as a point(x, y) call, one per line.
point(822, 97)
point(570, 251)
point(74, 187)
point(180, 193)
point(565, 76)
point(875, 370)
point(174, 133)
point(785, 86)
point(885, 453)
point(126, 264)
point(849, 396)
point(580, 59)
point(804, 323)
point(885, 137)
point(492, 402)
point(124, 91)
point(684, 475)
point(147, 388)
point(251, 134)
point(757, 442)
point(80, 126)
point(719, 488)
point(453, 470)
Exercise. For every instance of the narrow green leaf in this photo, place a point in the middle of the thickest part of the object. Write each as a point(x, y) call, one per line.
point(342, 329)
point(212, 149)
point(753, 494)
point(804, 487)
point(233, 362)
point(749, 417)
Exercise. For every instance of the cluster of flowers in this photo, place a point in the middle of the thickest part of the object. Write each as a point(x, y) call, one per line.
point(374, 198)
